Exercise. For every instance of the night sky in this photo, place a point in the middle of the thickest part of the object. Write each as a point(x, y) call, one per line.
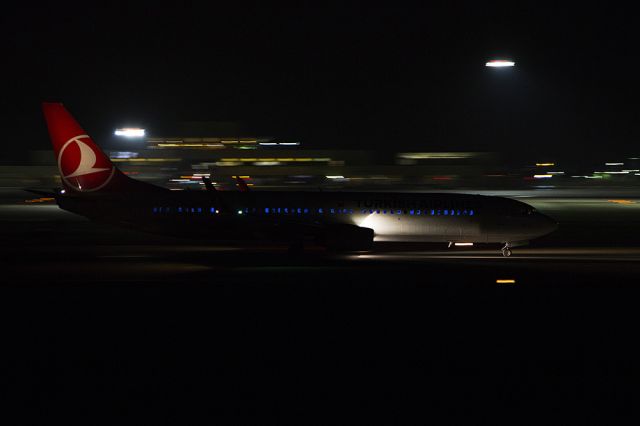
point(356, 77)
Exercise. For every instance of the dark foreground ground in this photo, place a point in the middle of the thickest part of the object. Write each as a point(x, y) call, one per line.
point(114, 327)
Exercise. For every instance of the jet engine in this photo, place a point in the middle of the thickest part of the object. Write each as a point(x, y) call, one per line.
point(346, 237)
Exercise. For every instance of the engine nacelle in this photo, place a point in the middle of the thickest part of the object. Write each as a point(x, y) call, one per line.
point(347, 237)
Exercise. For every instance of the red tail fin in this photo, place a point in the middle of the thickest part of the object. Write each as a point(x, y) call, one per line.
point(82, 164)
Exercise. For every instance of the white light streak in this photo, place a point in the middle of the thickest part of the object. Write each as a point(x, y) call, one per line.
point(130, 132)
point(500, 63)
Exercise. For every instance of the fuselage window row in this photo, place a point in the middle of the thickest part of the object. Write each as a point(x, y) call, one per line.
point(320, 210)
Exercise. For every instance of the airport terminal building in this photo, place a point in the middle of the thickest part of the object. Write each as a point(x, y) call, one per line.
point(179, 157)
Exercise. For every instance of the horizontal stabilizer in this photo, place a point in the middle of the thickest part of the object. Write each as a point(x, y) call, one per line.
point(40, 192)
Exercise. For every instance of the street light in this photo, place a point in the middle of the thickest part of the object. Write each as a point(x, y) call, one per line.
point(500, 63)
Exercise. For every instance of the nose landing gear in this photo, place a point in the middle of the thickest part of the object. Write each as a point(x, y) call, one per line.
point(506, 250)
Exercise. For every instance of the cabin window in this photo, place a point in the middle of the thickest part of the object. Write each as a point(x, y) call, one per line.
point(470, 212)
point(306, 211)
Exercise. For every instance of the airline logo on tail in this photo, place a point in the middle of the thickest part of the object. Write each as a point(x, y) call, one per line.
point(80, 165)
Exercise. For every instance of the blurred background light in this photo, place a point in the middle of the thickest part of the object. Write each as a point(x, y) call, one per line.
point(130, 132)
point(500, 63)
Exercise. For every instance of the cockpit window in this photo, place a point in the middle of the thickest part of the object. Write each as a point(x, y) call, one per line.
point(520, 209)
point(527, 211)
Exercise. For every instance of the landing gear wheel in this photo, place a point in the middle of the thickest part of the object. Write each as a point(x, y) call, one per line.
point(506, 250)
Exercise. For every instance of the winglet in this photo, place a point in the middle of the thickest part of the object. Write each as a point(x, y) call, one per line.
point(208, 185)
point(242, 185)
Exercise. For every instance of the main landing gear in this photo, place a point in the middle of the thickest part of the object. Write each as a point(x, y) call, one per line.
point(506, 250)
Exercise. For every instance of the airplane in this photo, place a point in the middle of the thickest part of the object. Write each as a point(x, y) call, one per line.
point(93, 187)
